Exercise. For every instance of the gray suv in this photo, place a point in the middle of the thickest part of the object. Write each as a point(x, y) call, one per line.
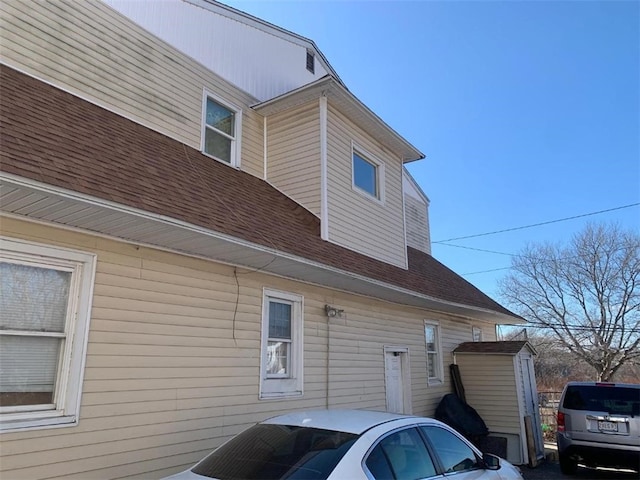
point(599, 426)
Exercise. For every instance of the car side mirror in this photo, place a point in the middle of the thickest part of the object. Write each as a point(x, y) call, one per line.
point(492, 462)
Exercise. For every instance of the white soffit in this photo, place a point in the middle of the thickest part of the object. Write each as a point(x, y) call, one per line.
point(29, 200)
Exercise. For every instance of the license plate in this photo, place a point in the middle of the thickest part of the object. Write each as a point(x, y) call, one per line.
point(608, 426)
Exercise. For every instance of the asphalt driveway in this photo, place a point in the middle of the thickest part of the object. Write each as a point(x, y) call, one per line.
point(549, 469)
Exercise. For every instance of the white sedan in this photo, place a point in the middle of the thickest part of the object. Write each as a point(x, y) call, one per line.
point(349, 445)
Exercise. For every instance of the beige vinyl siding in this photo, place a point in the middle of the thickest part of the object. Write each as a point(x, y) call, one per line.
point(173, 360)
point(417, 224)
point(90, 50)
point(355, 221)
point(293, 154)
point(496, 400)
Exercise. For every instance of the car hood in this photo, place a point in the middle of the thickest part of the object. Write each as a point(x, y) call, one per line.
point(187, 475)
point(508, 471)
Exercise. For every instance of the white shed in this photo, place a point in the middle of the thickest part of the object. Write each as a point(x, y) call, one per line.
point(499, 382)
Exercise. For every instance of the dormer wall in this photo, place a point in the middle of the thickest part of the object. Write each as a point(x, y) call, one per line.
point(416, 214)
point(292, 158)
point(356, 219)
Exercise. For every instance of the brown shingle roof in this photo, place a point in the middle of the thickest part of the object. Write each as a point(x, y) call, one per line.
point(510, 347)
point(54, 137)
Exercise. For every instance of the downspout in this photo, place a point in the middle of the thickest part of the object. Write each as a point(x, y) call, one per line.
point(404, 215)
point(324, 203)
point(328, 360)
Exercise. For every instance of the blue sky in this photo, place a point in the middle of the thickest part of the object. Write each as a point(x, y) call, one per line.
point(527, 112)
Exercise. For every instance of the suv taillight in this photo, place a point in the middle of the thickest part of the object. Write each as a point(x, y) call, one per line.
point(560, 421)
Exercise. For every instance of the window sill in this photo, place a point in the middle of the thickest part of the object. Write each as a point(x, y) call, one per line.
point(280, 395)
point(35, 422)
point(367, 195)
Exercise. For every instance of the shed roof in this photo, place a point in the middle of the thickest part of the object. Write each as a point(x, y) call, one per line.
point(54, 138)
point(510, 347)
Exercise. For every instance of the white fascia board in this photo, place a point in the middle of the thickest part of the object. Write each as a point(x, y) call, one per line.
point(263, 25)
point(347, 102)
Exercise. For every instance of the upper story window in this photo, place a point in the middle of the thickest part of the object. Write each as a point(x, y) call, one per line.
point(281, 359)
point(368, 174)
point(45, 299)
point(434, 353)
point(221, 130)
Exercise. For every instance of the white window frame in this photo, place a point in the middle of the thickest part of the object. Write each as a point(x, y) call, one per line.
point(70, 370)
point(380, 173)
point(438, 379)
point(235, 140)
point(476, 333)
point(291, 384)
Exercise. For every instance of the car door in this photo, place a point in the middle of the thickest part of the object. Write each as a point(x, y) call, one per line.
point(455, 457)
point(400, 455)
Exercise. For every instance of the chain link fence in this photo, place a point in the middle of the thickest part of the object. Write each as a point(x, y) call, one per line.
point(548, 402)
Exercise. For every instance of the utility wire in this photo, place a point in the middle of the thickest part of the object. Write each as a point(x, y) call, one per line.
point(485, 271)
point(539, 224)
point(479, 249)
point(536, 259)
point(558, 325)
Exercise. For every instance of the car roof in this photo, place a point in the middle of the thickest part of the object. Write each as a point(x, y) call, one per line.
point(604, 384)
point(351, 421)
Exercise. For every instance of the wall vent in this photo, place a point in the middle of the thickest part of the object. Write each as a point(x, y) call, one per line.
point(311, 61)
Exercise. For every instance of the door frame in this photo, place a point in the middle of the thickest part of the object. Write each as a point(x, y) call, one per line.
point(531, 400)
point(403, 352)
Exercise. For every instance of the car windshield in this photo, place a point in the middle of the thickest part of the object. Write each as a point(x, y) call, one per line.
point(273, 452)
point(611, 399)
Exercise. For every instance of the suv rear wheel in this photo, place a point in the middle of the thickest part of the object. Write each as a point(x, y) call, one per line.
point(568, 465)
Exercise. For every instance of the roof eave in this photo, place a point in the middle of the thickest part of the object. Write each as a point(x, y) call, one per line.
point(140, 227)
point(348, 104)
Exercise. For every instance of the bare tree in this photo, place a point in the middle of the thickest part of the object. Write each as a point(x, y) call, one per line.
point(587, 294)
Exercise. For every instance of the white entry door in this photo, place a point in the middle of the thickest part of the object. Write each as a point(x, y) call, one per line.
point(397, 382)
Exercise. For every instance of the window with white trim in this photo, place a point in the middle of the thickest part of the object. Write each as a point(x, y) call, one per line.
point(476, 334)
point(45, 300)
point(367, 173)
point(221, 130)
point(281, 365)
point(433, 352)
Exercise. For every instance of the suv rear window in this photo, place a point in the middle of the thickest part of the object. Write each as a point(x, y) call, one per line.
point(270, 452)
point(612, 399)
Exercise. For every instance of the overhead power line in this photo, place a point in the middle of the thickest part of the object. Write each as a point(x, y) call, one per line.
point(478, 249)
point(539, 224)
point(485, 271)
point(537, 259)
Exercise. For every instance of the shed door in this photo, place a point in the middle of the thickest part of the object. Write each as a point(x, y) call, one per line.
point(396, 377)
point(531, 400)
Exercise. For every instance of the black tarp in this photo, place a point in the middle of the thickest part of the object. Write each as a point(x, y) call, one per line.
point(462, 417)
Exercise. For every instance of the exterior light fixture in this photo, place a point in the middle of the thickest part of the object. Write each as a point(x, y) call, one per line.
point(332, 311)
